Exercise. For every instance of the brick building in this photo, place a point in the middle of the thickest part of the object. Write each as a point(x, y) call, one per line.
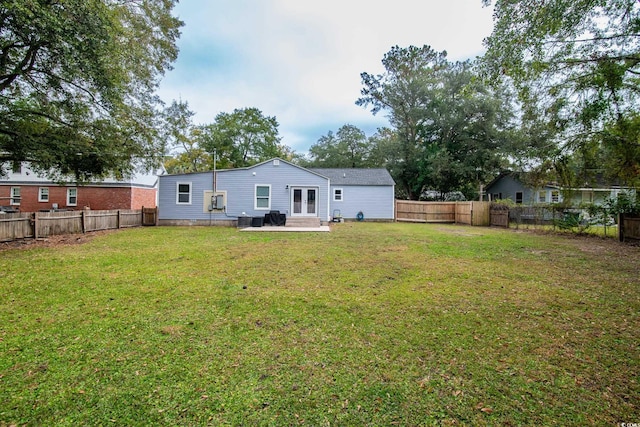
point(24, 190)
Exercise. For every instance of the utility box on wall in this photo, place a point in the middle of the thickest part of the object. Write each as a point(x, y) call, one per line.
point(214, 201)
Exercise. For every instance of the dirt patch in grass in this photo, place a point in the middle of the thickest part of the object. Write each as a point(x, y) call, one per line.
point(53, 241)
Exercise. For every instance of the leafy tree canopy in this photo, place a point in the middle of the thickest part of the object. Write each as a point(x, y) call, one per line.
point(347, 148)
point(576, 65)
point(182, 141)
point(77, 81)
point(449, 127)
point(243, 138)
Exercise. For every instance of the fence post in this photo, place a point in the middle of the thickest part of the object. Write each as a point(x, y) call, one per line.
point(35, 225)
point(118, 220)
point(83, 220)
point(621, 227)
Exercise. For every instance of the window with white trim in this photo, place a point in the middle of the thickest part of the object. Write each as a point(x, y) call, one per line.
point(555, 196)
point(72, 196)
point(43, 194)
point(337, 194)
point(542, 196)
point(263, 197)
point(15, 195)
point(183, 193)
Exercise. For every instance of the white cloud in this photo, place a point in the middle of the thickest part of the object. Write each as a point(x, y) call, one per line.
point(301, 60)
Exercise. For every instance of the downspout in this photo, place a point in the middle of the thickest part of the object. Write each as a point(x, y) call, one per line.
point(214, 172)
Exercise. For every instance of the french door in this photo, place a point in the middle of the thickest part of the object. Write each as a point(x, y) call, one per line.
point(304, 201)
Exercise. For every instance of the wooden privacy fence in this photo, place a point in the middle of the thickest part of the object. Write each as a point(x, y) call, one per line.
point(628, 228)
point(471, 213)
point(36, 225)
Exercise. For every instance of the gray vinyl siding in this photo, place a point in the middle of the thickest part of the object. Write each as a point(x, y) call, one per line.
point(239, 185)
point(167, 195)
point(508, 187)
point(375, 202)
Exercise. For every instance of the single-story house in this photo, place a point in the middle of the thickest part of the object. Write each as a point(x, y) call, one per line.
point(27, 191)
point(224, 196)
point(509, 185)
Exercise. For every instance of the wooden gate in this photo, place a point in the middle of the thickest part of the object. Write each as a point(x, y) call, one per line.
point(628, 228)
point(499, 215)
point(149, 216)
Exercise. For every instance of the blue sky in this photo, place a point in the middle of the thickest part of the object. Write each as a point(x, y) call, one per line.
point(300, 60)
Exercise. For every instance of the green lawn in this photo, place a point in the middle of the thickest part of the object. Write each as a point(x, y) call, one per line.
point(371, 324)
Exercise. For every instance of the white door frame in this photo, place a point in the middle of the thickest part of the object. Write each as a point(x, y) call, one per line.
point(305, 208)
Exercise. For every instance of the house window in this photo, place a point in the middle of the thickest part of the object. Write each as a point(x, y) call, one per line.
point(587, 196)
point(183, 196)
point(496, 196)
point(337, 194)
point(263, 199)
point(43, 194)
point(542, 196)
point(72, 196)
point(555, 196)
point(15, 195)
point(519, 197)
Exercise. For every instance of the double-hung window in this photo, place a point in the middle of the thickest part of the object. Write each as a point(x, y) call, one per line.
point(337, 194)
point(43, 194)
point(15, 195)
point(72, 196)
point(542, 196)
point(183, 196)
point(263, 197)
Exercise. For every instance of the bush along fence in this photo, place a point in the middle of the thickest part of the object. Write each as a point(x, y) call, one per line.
point(36, 225)
point(567, 218)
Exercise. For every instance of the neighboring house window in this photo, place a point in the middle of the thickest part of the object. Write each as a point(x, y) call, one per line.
point(43, 194)
point(337, 194)
point(496, 196)
point(263, 199)
point(183, 196)
point(72, 196)
point(587, 196)
point(16, 167)
point(15, 195)
point(542, 196)
point(555, 196)
point(519, 197)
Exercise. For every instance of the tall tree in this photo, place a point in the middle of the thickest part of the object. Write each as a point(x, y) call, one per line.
point(576, 65)
point(400, 92)
point(449, 125)
point(77, 81)
point(465, 130)
point(347, 148)
point(243, 137)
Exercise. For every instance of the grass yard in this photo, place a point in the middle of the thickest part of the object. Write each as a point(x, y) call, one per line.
point(371, 324)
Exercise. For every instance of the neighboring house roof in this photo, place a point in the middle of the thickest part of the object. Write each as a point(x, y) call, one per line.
point(351, 176)
point(596, 183)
